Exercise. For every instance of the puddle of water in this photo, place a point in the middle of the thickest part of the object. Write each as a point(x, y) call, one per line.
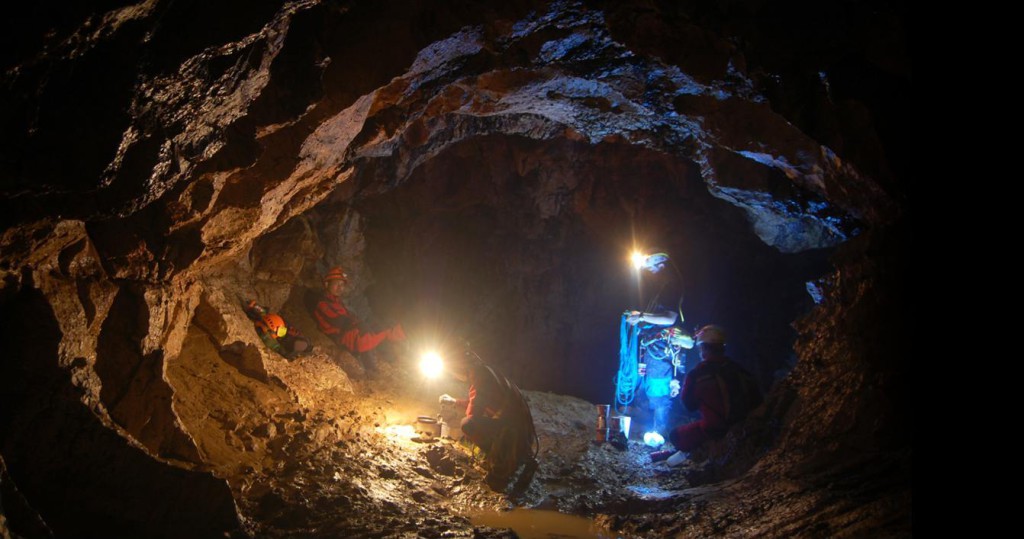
point(538, 524)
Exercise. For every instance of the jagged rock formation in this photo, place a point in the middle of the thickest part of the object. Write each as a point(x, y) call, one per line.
point(488, 162)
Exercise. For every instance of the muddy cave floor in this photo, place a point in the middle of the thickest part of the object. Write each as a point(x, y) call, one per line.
point(349, 465)
point(353, 466)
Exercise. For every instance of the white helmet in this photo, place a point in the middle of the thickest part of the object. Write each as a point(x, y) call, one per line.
point(711, 334)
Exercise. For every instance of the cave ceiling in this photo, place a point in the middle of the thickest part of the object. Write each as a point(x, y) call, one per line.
point(183, 149)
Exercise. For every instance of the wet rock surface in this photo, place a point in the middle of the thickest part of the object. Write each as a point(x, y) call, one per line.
point(370, 475)
point(165, 161)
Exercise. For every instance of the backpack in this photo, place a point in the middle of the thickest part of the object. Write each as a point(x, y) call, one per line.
point(741, 387)
point(518, 439)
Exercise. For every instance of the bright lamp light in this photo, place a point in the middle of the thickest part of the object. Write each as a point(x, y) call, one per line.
point(653, 439)
point(638, 259)
point(431, 364)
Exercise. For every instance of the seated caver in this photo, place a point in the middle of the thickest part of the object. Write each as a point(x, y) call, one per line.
point(275, 332)
point(337, 322)
point(723, 391)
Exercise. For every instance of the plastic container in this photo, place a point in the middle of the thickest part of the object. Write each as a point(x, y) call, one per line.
point(602, 422)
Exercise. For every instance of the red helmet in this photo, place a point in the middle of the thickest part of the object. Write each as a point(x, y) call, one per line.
point(276, 325)
point(337, 273)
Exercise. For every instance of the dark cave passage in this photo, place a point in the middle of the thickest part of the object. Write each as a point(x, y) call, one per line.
point(521, 247)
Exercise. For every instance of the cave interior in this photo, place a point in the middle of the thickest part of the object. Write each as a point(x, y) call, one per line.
point(482, 171)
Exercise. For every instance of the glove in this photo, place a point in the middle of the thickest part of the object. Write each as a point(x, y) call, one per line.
point(396, 333)
point(674, 388)
point(446, 399)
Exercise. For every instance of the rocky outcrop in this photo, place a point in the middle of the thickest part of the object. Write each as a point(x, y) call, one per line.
point(79, 471)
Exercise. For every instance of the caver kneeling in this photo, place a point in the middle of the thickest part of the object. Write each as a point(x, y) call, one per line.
point(498, 419)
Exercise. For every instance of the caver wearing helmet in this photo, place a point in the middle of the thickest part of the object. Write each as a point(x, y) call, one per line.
point(341, 326)
point(275, 333)
point(661, 344)
point(723, 391)
point(497, 420)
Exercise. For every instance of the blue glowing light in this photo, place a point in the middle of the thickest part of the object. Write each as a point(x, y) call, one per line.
point(653, 439)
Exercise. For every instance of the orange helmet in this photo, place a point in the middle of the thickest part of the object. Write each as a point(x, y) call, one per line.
point(276, 325)
point(337, 273)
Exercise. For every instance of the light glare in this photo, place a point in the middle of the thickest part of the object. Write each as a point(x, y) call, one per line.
point(653, 439)
point(431, 364)
point(638, 259)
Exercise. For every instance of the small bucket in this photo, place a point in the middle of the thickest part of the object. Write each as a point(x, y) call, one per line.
point(428, 426)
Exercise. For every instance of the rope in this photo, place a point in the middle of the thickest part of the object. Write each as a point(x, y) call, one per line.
point(628, 377)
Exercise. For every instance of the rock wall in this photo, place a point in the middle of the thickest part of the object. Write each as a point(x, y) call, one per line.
point(79, 472)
